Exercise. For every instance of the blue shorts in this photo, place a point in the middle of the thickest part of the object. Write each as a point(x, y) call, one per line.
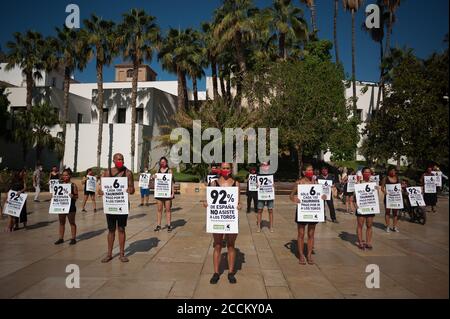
point(262, 203)
point(145, 192)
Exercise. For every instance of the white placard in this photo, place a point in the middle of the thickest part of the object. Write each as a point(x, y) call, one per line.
point(415, 196)
point(60, 203)
point(438, 175)
point(222, 213)
point(394, 197)
point(265, 187)
point(115, 197)
point(351, 181)
point(326, 187)
point(144, 180)
point(375, 179)
point(211, 178)
point(252, 183)
point(430, 184)
point(14, 203)
point(91, 183)
point(367, 199)
point(311, 208)
point(163, 185)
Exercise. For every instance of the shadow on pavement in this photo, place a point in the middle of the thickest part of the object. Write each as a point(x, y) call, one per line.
point(178, 223)
point(136, 216)
point(223, 264)
point(351, 238)
point(40, 224)
point(91, 234)
point(142, 246)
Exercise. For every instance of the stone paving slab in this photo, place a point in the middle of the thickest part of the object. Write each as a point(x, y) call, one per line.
point(412, 263)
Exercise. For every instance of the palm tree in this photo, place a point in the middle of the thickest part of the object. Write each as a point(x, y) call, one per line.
point(71, 53)
point(138, 36)
point(175, 53)
point(392, 6)
point(312, 7)
point(235, 27)
point(336, 10)
point(101, 38)
point(210, 43)
point(288, 21)
point(26, 52)
point(353, 6)
point(195, 69)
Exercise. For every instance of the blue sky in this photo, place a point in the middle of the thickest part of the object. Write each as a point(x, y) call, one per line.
point(421, 25)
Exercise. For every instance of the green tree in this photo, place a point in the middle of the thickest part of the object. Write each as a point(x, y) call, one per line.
point(27, 53)
point(4, 114)
point(310, 116)
point(101, 39)
point(137, 36)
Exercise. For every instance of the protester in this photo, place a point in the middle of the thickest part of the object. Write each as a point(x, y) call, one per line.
point(65, 178)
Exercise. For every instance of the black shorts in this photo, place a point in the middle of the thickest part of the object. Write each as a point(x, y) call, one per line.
point(116, 220)
point(365, 215)
point(89, 193)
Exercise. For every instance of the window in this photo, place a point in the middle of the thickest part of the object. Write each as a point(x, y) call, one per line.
point(139, 116)
point(130, 73)
point(80, 118)
point(105, 115)
point(121, 115)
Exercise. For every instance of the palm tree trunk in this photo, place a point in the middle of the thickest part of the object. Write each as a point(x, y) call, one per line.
point(228, 86)
point(313, 16)
point(134, 87)
point(65, 116)
point(180, 99)
point(381, 82)
point(100, 111)
point(194, 88)
point(185, 90)
point(353, 63)
point(214, 77)
point(388, 35)
point(282, 46)
point(30, 86)
point(242, 68)
point(336, 7)
point(222, 81)
point(299, 149)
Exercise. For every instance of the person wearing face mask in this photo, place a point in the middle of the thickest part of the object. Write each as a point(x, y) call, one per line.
point(117, 221)
point(325, 176)
point(87, 193)
point(349, 196)
point(65, 178)
point(54, 173)
point(251, 195)
point(391, 178)
point(367, 219)
point(164, 202)
point(225, 180)
point(37, 182)
point(213, 175)
point(307, 178)
point(264, 169)
point(429, 198)
point(145, 192)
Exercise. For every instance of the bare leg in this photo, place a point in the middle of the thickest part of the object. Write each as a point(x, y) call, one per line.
point(259, 218)
point(301, 242)
point(360, 224)
point(159, 212)
point(231, 240)
point(387, 217)
point(395, 213)
point(122, 238)
point(271, 218)
point(311, 230)
point(62, 225)
point(85, 200)
point(73, 226)
point(217, 250)
point(369, 231)
point(168, 205)
point(111, 237)
point(93, 202)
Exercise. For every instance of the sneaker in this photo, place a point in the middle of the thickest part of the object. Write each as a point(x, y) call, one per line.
point(73, 242)
point(84, 210)
point(214, 279)
point(388, 230)
point(158, 228)
point(59, 241)
point(335, 221)
point(169, 229)
point(395, 229)
point(231, 278)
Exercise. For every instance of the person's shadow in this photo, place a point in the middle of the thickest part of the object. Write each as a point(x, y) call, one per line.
point(293, 247)
point(136, 216)
point(141, 246)
point(351, 238)
point(91, 234)
point(40, 224)
point(223, 263)
point(178, 223)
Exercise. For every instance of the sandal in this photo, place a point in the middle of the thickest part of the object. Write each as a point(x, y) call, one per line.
point(107, 259)
point(302, 260)
point(370, 247)
point(124, 259)
point(310, 260)
point(360, 246)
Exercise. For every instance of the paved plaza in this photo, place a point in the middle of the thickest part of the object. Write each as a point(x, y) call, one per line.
point(413, 263)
